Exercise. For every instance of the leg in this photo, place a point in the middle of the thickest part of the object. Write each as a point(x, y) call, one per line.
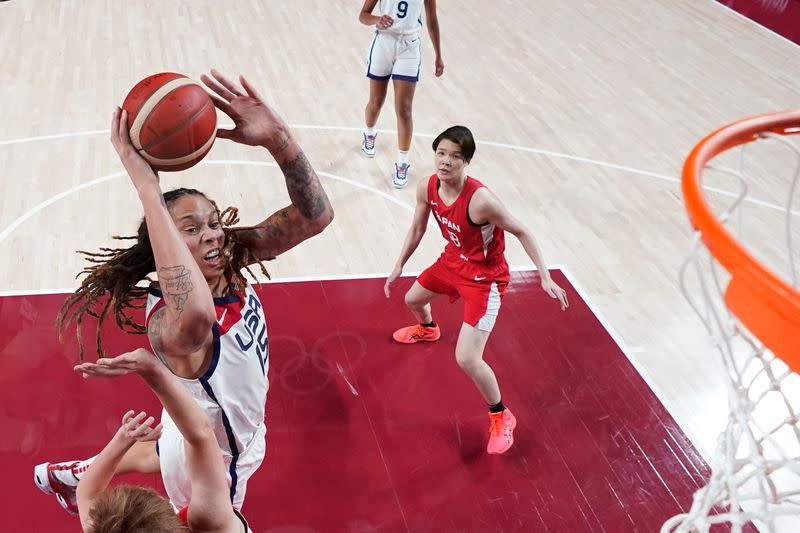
point(418, 299)
point(469, 356)
point(377, 95)
point(403, 100)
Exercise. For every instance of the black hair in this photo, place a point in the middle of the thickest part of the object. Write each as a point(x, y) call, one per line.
point(461, 136)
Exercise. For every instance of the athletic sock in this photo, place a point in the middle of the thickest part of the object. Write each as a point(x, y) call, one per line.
point(497, 408)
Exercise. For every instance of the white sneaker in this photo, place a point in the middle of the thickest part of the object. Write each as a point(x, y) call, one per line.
point(400, 178)
point(58, 479)
point(368, 146)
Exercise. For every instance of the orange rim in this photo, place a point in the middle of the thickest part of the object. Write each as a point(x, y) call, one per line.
point(768, 306)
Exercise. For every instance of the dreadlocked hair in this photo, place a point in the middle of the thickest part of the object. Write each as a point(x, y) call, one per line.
point(118, 272)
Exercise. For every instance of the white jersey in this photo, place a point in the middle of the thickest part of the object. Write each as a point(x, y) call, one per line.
point(233, 391)
point(407, 15)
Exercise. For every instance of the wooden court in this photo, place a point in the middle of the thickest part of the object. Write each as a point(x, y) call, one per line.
point(583, 114)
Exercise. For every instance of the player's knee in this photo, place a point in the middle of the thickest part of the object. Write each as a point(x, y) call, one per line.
point(403, 110)
point(468, 362)
point(413, 300)
point(376, 102)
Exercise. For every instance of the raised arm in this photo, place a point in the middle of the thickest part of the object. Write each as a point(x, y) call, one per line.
point(257, 124)
point(97, 478)
point(210, 507)
point(432, 21)
point(485, 207)
point(419, 224)
point(184, 324)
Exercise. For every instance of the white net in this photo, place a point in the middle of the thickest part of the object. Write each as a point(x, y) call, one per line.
point(756, 470)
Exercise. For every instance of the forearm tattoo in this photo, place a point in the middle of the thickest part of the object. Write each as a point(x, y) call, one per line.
point(176, 285)
point(304, 187)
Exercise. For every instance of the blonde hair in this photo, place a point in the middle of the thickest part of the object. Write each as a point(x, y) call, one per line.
point(127, 509)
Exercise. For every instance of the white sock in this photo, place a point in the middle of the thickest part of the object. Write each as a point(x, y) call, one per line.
point(80, 469)
point(371, 131)
point(402, 157)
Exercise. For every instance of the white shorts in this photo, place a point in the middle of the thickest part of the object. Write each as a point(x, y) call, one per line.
point(394, 56)
point(171, 456)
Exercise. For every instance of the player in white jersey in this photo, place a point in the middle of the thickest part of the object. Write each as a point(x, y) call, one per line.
point(203, 319)
point(232, 392)
point(394, 53)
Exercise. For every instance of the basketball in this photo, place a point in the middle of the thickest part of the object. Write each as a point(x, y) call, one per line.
point(172, 120)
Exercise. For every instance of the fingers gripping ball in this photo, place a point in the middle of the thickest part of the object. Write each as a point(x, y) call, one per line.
point(172, 121)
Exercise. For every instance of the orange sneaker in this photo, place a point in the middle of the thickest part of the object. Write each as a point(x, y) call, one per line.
point(417, 333)
point(501, 431)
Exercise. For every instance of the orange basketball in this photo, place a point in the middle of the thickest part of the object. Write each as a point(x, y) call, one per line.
point(172, 120)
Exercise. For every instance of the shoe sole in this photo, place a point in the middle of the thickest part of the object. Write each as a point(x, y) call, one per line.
point(41, 479)
point(65, 505)
point(396, 186)
point(367, 154)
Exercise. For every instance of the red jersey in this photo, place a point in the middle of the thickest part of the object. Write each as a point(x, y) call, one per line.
point(483, 244)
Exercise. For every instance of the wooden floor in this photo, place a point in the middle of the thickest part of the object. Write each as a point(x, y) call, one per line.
point(583, 114)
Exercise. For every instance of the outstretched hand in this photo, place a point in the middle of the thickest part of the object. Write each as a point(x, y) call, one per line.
point(137, 361)
point(554, 291)
point(255, 122)
point(139, 428)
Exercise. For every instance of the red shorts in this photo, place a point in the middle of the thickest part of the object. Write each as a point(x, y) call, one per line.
point(481, 286)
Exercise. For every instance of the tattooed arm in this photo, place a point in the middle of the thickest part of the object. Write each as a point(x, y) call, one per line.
point(309, 213)
point(257, 124)
point(185, 321)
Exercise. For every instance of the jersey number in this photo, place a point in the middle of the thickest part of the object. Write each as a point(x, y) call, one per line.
point(402, 9)
point(455, 239)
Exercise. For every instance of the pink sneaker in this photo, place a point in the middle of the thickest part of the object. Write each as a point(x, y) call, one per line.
point(417, 333)
point(501, 431)
point(58, 479)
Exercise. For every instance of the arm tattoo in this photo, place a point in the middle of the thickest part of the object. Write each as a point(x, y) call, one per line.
point(176, 284)
point(283, 145)
point(274, 227)
point(155, 329)
point(304, 187)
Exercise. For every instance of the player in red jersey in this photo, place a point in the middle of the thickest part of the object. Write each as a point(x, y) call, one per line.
point(472, 267)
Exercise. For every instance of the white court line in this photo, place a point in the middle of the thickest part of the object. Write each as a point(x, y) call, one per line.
point(640, 369)
point(260, 279)
point(53, 199)
point(539, 151)
point(294, 279)
point(53, 136)
point(40, 206)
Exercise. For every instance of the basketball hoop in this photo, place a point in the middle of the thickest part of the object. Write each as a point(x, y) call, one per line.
point(752, 314)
